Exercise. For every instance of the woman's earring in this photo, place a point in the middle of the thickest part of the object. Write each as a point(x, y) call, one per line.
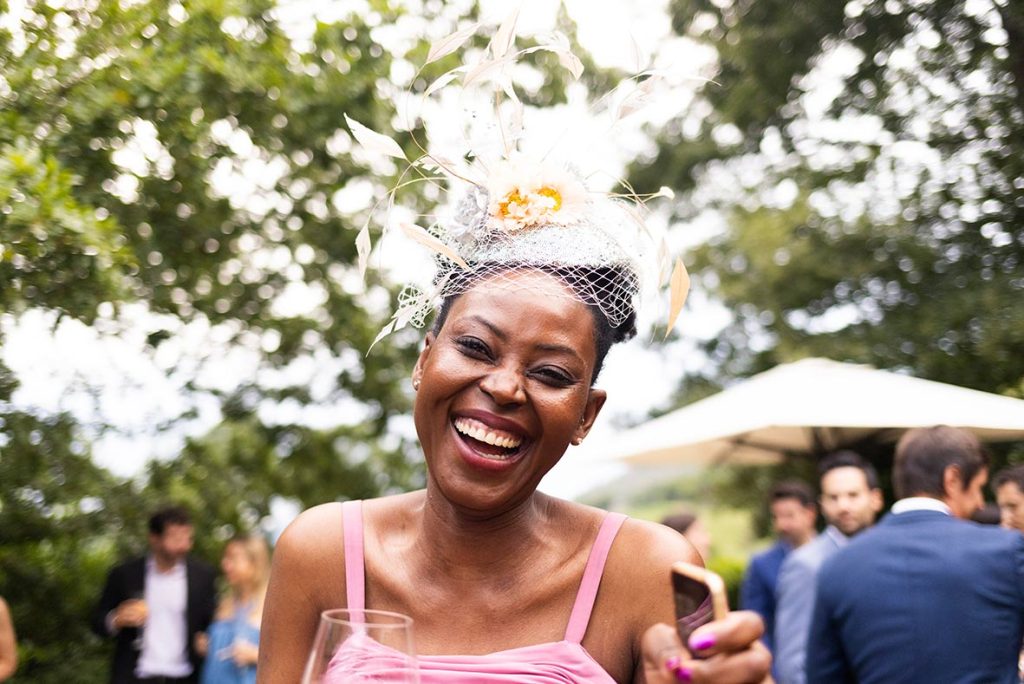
point(415, 383)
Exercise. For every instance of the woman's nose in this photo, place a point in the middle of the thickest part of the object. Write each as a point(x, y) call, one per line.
point(504, 385)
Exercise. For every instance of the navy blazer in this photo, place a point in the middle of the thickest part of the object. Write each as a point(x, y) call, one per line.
point(920, 598)
point(127, 581)
point(757, 592)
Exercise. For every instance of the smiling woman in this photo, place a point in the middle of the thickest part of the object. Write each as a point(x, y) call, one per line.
point(506, 384)
point(499, 579)
point(537, 278)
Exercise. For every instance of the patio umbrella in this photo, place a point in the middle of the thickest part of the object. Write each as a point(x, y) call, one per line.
point(811, 407)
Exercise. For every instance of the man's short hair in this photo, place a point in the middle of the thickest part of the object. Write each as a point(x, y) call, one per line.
point(923, 454)
point(1013, 474)
point(168, 515)
point(792, 489)
point(848, 459)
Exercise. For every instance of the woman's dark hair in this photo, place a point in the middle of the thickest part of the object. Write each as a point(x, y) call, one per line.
point(923, 454)
point(612, 287)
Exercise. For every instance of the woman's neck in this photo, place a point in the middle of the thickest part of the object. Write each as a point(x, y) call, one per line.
point(471, 545)
point(243, 594)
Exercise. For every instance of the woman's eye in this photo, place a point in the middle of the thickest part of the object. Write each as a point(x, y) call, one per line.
point(555, 377)
point(474, 347)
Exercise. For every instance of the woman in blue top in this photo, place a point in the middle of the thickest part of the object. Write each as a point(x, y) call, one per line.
point(232, 643)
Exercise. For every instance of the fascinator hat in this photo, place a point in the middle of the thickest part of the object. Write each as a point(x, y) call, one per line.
point(509, 210)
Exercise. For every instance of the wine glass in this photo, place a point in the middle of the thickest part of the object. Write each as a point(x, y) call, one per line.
point(362, 646)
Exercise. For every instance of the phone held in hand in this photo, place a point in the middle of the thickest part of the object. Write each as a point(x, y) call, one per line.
point(699, 597)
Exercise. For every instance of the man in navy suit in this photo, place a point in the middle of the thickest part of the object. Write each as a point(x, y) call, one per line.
point(925, 596)
point(791, 504)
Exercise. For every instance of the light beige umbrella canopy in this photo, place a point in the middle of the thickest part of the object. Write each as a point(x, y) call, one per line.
point(810, 406)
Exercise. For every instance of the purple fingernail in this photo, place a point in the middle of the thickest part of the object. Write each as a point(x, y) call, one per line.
point(673, 663)
point(684, 674)
point(700, 643)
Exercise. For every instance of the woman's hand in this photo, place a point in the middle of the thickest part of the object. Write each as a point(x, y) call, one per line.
point(729, 650)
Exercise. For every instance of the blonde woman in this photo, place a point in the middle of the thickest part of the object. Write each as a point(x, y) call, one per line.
point(231, 645)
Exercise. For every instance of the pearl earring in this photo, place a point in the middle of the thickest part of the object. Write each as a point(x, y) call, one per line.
point(415, 383)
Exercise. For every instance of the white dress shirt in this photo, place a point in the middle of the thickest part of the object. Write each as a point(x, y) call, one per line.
point(165, 636)
point(920, 503)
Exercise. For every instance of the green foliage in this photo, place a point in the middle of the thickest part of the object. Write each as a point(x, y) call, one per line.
point(730, 569)
point(185, 156)
point(53, 251)
point(61, 523)
point(868, 156)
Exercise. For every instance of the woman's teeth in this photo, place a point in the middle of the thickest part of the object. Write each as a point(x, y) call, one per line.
point(482, 433)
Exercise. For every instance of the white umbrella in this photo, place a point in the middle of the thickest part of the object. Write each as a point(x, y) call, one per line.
point(811, 406)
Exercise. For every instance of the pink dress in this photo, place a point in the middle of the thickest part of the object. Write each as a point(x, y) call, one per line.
point(560, 662)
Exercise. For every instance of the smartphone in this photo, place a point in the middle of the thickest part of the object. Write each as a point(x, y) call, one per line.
point(699, 597)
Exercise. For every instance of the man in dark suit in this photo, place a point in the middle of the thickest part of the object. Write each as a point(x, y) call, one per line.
point(791, 504)
point(153, 606)
point(925, 596)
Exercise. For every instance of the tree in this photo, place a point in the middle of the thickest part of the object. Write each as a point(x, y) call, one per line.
point(868, 158)
point(62, 520)
point(184, 155)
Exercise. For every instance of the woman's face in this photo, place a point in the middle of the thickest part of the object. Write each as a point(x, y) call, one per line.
point(237, 567)
point(505, 388)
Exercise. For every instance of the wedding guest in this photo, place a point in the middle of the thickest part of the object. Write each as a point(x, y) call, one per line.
point(154, 605)
point(1008, 485)
point(8, 643)
point(537, 276)
point(231, 645)
point(924, 596)
point(691, 527)
point(793, 513)
point(850, 501)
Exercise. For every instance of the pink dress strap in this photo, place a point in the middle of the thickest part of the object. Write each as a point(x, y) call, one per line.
point(355, 580)
point(587, 594)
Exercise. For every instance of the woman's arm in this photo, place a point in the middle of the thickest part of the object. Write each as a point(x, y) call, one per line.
point(307, 577)
point(8, 643)
point(641, 566)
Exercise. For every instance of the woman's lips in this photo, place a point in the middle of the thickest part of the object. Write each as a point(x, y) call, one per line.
point(481, 432)
point(485, 445)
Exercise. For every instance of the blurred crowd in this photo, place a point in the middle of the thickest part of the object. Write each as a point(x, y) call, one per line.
point(164, 615)
point(930, 591)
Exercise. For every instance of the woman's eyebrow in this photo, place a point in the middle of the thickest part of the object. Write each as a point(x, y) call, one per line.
point(498, 332)
point(559, 349)
point(551, 347)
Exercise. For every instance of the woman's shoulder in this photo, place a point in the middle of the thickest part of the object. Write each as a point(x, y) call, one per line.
point(317, 534)
point(659, 543)
point(655, 541)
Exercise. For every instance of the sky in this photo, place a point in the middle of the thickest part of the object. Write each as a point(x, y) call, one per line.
point(112, 378)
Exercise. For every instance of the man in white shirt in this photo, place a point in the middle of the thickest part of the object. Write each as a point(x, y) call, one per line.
point(153, 606)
